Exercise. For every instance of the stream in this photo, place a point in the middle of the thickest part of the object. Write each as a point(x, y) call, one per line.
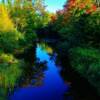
point(46, 86)
point(47, 79)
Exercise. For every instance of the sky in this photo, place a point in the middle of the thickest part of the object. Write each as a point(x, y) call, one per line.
point(54, 5)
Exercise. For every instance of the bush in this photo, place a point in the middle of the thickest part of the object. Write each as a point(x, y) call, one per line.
point(10, 70)
point(25, 19)
point(87, 62)
point(6, 24)
point(9, 40)
point(29, 38)
point(9, 36)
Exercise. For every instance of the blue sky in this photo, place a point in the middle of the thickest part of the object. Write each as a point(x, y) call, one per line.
point(53, 5)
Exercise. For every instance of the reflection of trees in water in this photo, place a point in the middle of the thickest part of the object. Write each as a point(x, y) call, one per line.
point(5, 92)
point(29, 58)
point(30, 54)
point(33, 73)
point(46, 48)
point(38, 76)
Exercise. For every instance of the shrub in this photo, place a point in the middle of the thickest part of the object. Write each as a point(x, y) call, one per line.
point(9, 36)
point(10, 70)
point(6, 24)
point(87, 62)
point(9, 40)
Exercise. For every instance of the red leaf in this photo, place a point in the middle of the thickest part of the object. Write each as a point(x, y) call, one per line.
point(94, 7)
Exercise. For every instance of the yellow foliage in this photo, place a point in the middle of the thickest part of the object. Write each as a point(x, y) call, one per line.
point(6, 23)
point(49, 50)
point(46, 48)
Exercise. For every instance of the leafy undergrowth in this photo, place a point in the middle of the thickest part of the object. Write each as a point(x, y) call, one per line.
point(87, 62)
point(10, 70)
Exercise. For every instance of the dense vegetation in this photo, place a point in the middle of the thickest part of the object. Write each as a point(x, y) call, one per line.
point(18, 24)
point(76, 27)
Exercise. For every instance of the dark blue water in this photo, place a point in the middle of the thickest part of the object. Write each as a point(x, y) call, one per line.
point(52, 87)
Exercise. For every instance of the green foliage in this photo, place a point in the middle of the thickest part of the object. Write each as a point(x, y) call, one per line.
point(78, 27)
point(9, 40)
point(10, 70)
point(18, 24)
point(27, 20)
point(9, 36)
point(87, 62)
point(92, 30)
point(23, 17)
point(30, 37)
point(87, 28)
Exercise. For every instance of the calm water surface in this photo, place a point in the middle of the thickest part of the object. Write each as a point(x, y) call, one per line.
point(49, 86)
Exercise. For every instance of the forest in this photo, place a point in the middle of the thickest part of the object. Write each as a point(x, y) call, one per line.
point(73, 32)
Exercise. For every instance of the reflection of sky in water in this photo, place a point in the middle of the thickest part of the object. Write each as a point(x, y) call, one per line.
point(53, 87)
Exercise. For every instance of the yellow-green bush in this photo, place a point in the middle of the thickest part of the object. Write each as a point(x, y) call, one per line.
point(10, 70)
point(9, 36)
point(6, 23)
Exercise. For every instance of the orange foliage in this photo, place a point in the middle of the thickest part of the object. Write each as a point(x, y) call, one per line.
point(82, 6)
point(88, 11)
point(53, 18)
point(87, 5)
point(94, 7)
